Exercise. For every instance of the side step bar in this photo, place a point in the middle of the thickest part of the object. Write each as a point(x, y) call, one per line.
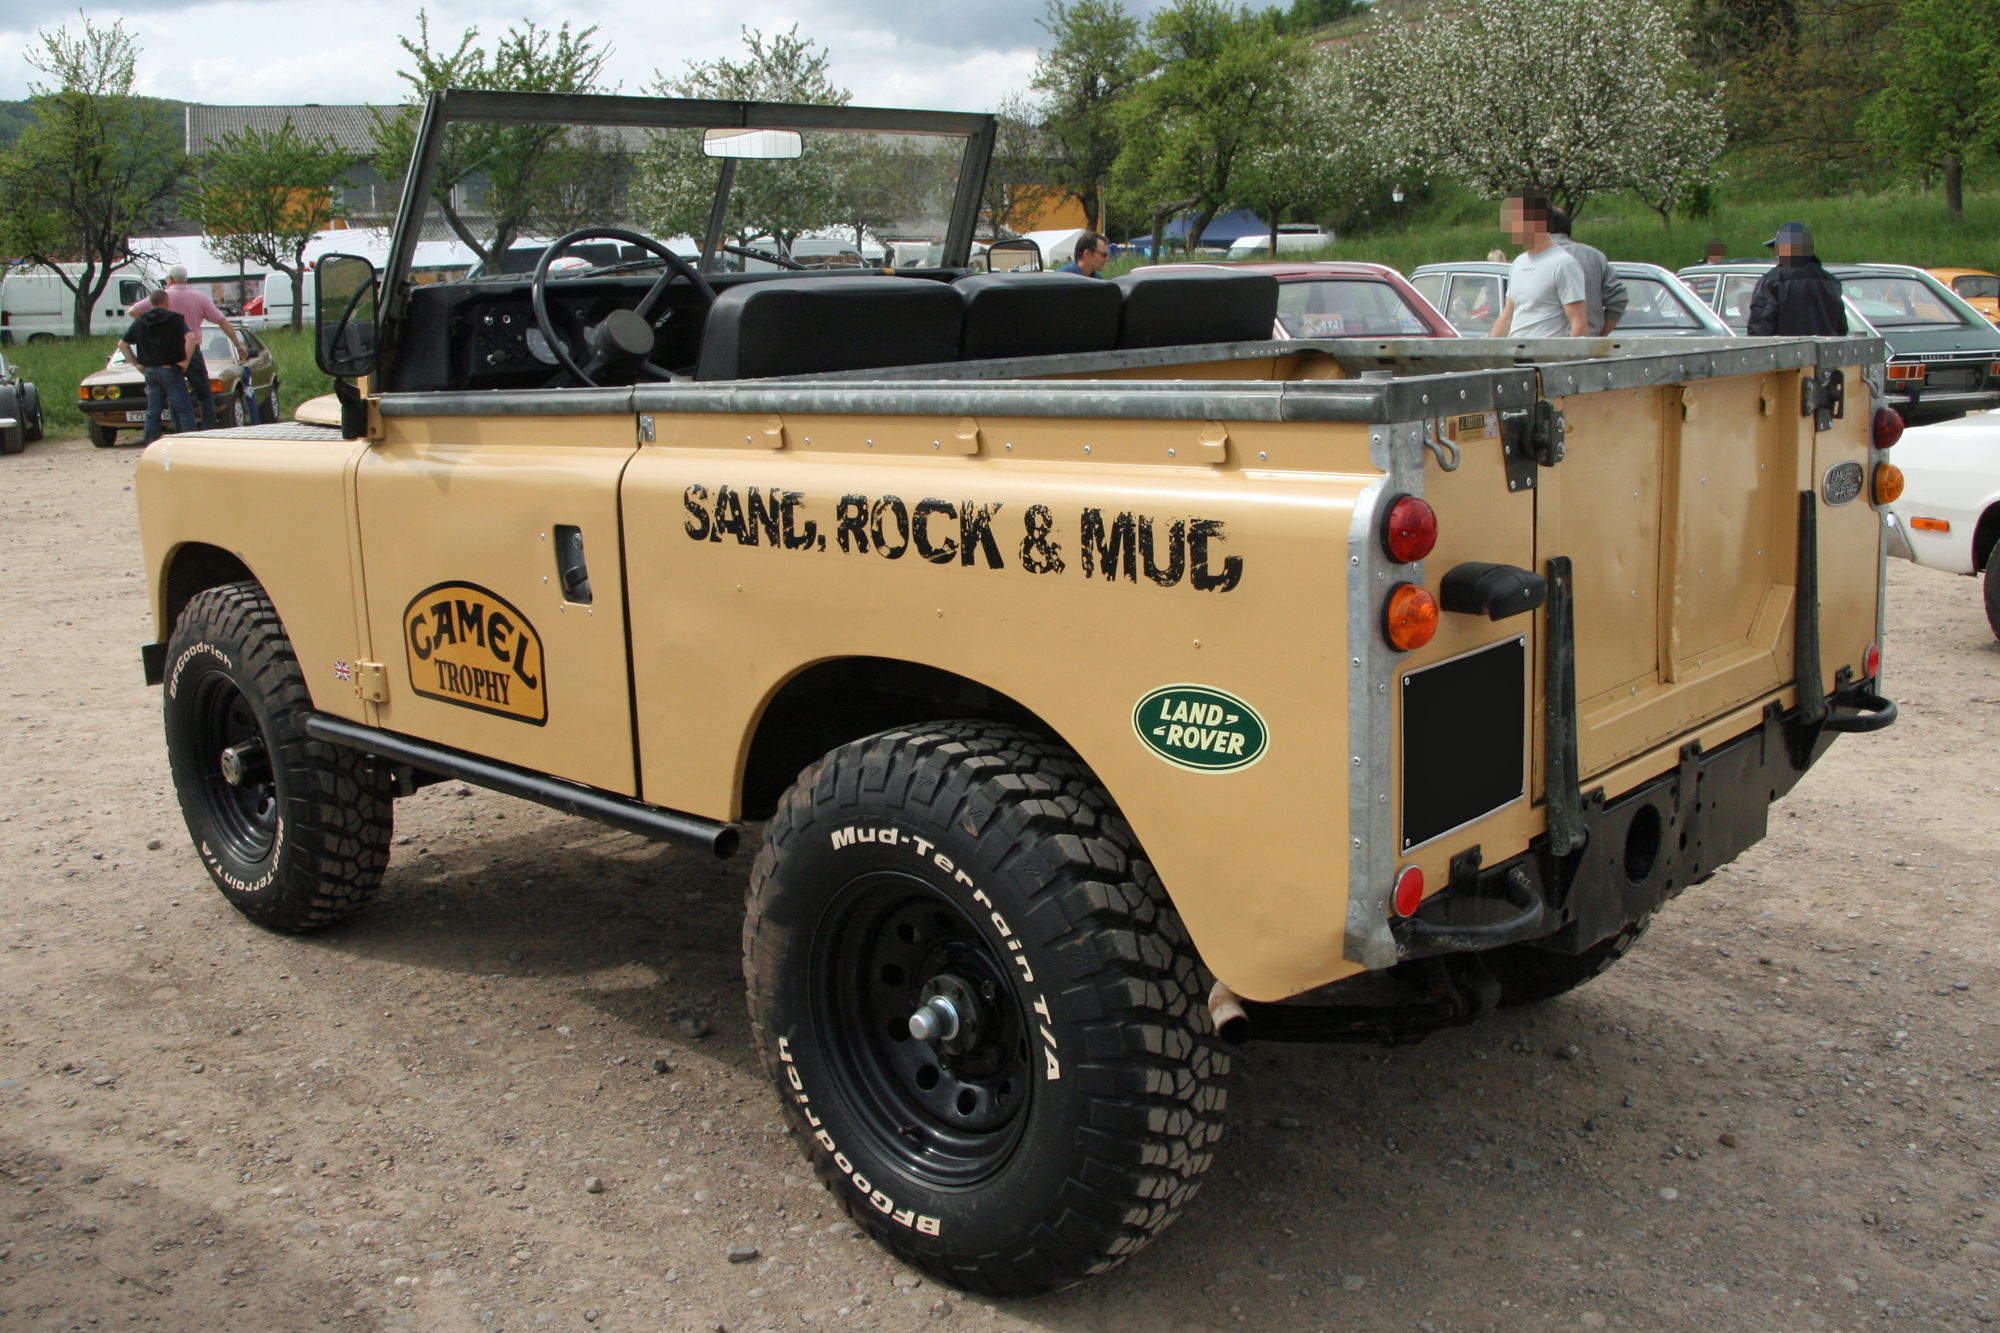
point(572, 798)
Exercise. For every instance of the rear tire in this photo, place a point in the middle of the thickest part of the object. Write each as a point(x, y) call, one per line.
point(31, 413)
point(1528, 975)
point(1992, 587)
point(294, 831)
point(1073, 1115)
point(101, 436)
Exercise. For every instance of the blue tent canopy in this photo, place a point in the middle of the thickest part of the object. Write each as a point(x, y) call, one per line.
point(1223, 229)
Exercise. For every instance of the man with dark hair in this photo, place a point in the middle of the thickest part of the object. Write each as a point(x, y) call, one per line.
point(1545, 289)
point(194, 307)
point(160, 343)
point(1797, 297)
point(1604, 297)
point(1093, 252)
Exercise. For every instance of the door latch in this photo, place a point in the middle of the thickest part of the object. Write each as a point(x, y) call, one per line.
point(571, 570)
point(1823, 397)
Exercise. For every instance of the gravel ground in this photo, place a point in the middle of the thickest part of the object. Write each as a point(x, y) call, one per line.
point(518, 1093)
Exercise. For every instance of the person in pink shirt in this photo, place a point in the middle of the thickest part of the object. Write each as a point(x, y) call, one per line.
point(194, 307)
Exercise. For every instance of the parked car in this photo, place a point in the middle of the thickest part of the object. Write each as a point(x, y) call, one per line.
point(1293, 239)
point(1342, 299)
point(114, 398)
point(1975, 286)
point(1944, 356)
point(1471, 294)
point(1948, 516)
point(20, 410)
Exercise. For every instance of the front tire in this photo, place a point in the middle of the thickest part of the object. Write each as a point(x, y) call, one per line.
point(31, 414)
point(1069, 1113)
point(1992, 589)
point(294, 831)
point(101, 436)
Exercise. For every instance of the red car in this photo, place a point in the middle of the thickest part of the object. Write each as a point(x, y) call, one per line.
point(1345, 299)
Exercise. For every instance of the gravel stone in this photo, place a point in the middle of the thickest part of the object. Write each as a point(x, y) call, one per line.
point(742, 1254)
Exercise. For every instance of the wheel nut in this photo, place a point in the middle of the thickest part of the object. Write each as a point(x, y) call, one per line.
point(936, 1020)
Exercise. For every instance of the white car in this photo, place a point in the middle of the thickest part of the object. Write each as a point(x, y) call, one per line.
point(1948, 516)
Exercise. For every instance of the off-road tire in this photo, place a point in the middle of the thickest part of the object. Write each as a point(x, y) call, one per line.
point(104, 437)
point(31, 413)
point(1992, 590)
point(303, 839)
point(1528, 975)
point(1006, 838)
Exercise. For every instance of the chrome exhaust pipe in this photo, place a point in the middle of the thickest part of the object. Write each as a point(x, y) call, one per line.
point(1232, 1023)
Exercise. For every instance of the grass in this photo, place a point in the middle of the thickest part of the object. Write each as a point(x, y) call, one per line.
point(1891, 228)
point(56, 365)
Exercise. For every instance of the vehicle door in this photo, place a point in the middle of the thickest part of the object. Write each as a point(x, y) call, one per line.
point(491, 555)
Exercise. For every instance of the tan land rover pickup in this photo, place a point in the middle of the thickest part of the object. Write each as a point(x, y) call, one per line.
point(1109, 681)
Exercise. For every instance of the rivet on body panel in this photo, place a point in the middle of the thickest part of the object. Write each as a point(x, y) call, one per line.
point(1086, 448)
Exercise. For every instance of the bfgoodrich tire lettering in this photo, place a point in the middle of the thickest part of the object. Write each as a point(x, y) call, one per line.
point(295, 832)
point(1072, 1116)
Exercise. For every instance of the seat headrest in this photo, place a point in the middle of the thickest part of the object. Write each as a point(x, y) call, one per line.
point(1037, 314)
point(807, 326)
point(1182, 306)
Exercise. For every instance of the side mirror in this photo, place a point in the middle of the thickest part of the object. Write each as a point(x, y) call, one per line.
point(764, 145)
point(1019, 255)
point(344, 315)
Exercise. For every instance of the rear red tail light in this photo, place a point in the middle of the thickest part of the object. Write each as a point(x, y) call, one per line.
point(1871, 661)
point(1412, 530)
point(1409, 617)
point(1888, 427)
point(1409, 891)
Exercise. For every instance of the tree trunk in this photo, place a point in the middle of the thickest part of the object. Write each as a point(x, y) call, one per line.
point(298, 277)
point(89, 290)
point(1160, 225)
point(1089, 201)
point(1954, 190)
point(1200, 228)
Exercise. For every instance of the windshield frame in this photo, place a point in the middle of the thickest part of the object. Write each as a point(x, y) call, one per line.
point(467, 106)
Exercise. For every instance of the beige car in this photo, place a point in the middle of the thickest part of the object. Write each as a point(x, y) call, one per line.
point(1110, 681)
point(113, 400)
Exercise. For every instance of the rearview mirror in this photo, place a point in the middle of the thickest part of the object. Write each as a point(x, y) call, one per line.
point(1019, 255)
point(344, 315)
point(766, 145)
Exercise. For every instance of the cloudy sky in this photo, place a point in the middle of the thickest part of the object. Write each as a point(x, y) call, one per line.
point(953, 57)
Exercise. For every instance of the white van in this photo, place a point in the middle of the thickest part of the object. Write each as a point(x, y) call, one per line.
point(35, 303)
point(274, 311)
point(1293, 239)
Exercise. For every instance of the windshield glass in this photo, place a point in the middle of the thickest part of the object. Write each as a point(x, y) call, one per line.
point(1734, 307)
point(215, 347)
point(1900, 302)
point(505, 190)
point(1655, 306)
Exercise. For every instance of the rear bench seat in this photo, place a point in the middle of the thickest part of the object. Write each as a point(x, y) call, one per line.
point(794, 326)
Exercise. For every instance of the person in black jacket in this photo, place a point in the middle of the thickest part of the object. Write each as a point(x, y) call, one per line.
point(1798, 297)
point(159, 342)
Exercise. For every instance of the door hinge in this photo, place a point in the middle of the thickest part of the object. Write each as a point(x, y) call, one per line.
point(647, 433)
point(1690, 409)
point(371, 682)
point(1823, 397)
point(1548, 433)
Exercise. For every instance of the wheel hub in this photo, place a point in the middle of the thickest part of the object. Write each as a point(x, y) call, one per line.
point(245, 762)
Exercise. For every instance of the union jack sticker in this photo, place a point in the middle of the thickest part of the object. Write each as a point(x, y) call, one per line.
point(342, 671)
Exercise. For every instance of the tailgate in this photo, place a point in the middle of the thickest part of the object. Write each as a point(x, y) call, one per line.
point(1678, 504)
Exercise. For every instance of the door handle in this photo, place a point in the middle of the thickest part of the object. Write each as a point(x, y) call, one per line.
point(572, 572)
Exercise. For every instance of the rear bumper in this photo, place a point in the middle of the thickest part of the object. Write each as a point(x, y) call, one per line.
point(1644, 846)
point(1898, 540)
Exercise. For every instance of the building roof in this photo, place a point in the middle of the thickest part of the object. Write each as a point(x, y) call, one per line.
point(350, 127)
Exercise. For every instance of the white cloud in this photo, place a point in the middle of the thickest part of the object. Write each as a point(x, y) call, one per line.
point(892, 53)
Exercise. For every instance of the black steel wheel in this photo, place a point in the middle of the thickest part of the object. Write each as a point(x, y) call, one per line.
point(949, 1108)
point(984, 1019)
point(294, 831)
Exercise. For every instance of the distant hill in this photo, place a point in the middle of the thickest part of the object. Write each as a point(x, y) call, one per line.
point(17, 116)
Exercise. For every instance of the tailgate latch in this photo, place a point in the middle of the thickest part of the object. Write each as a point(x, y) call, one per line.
point(1548, 433)
point(1823, 397)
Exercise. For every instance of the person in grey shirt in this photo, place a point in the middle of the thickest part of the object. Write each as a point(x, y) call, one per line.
point(1544, 285)
point(1604, 297)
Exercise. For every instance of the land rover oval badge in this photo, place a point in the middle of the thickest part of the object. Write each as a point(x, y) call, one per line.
point(1199, 728)
point(1842, 482)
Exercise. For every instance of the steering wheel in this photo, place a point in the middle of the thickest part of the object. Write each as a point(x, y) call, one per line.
point(625, 337)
